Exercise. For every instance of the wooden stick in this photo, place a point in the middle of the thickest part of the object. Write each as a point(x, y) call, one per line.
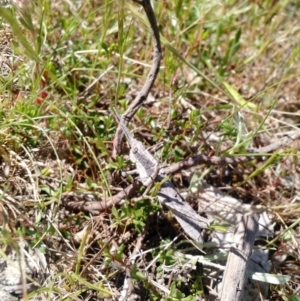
point(144, 92)
point(240, 252)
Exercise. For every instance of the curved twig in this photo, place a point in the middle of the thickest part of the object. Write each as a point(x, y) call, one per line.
point(74, 202)
point(143, 94)
point(95, 207)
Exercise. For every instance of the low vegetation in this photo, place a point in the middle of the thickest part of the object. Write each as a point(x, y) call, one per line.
point(228, 83)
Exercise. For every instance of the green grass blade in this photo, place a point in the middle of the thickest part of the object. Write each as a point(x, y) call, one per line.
point(237, 97)
point(7, 15)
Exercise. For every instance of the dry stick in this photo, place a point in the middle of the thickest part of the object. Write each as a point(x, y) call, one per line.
point(75, 203)
point(128, 285)
point(238, 258)
point(203, 159)
point(143, 94)
point(285, 141)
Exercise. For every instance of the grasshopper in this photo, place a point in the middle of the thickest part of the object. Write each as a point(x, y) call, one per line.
point(149, 171)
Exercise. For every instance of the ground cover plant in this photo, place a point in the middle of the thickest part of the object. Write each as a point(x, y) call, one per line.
point(228, 84)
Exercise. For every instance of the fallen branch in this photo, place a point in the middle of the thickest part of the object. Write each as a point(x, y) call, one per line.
point(78, 203)
point(83, 203)
point(238, 258)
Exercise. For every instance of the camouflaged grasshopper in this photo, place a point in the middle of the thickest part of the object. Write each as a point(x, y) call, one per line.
point(149, 172)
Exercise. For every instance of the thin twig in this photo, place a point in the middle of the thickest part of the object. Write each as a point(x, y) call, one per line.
point(203, 159)
point(128, 286)
point(143, 94)
point(95, 207)
point(285, 141)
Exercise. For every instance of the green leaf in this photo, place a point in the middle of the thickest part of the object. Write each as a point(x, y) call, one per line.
point(26, 19)
point(237, 97)
point(219, 228)
point(262, 168)
point(94, 286)
point(7, 15)
point(270, 278)
point(140, 276)
point(175, 293)
point(288, 235)
point(190, 298)
point(295, 298)
point(115, 212)
point(180, 57)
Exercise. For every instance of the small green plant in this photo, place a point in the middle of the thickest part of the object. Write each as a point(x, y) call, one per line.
point(137, 215)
